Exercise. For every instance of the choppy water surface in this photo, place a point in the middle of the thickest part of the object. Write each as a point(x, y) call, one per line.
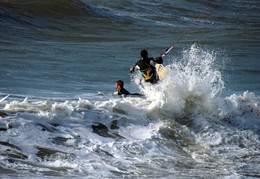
point(59, 63)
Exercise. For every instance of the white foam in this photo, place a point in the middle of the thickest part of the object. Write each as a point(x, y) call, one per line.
point(151, 127)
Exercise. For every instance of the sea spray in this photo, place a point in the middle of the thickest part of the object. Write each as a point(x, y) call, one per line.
point(195, 115)
point(191, 85)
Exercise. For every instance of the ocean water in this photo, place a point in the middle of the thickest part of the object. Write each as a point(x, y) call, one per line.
point(60, 61)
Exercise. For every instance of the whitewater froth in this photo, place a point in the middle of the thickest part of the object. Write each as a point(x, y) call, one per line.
point(192, 83)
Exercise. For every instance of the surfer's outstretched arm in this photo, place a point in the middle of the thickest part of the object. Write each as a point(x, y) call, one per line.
point(136, 94)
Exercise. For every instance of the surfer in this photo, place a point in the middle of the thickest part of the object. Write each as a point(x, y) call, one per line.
point(147, 67)
point(121, 90)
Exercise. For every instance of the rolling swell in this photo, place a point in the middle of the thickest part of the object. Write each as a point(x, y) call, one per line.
point(32, 19)
point(57, 20)
point(54, 15)
point(48, 8)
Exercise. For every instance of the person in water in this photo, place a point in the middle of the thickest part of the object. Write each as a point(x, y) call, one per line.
point(147, 67)
point(121, 90)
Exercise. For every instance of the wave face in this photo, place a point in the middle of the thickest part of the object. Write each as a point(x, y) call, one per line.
point(60, 61)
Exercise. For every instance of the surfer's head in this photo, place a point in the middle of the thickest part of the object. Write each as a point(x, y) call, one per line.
point(144, 54)
point(119, 84)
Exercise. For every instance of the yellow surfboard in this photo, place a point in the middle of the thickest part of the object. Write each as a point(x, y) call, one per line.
point(161, 71)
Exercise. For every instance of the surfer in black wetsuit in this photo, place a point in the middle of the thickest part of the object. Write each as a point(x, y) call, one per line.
point(147, 67)
point(121, 90)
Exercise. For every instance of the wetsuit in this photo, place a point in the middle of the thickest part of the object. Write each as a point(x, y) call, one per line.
point(123, 91)
point(147, 68)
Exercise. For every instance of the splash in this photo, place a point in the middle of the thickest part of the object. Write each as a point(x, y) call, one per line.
point(191, 85)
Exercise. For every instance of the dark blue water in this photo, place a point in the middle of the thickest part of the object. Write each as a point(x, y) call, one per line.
point(65, 56)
